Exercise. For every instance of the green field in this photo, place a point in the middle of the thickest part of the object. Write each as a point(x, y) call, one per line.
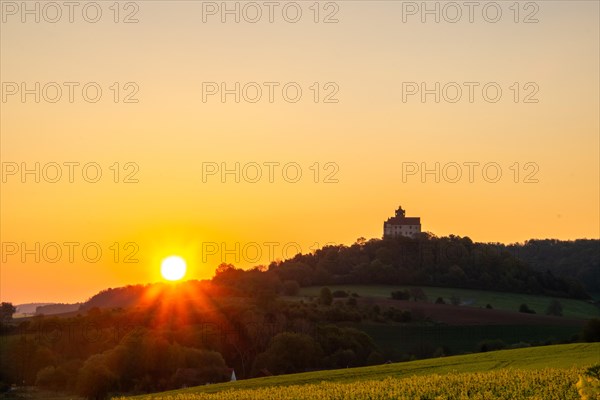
point(401, 339)
point(563, 357)
point(476, 298)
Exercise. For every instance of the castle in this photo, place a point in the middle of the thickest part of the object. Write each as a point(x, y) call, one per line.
point(400, 225)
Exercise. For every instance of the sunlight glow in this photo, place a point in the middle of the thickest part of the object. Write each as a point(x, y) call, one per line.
point(173, 268)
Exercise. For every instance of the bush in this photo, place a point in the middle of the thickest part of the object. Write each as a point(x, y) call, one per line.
point(340, 314)
point(351, 302)
point(440, 300)
point(524, 308)
point(397, 315)
point(489, 306)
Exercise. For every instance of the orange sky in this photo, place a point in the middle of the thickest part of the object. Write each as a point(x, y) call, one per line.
point(361, 143)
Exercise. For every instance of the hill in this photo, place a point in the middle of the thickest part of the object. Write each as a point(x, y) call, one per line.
point(425, 260)
point(558, 356)
point(28, 308)
point(444, 262)
point(60, 308)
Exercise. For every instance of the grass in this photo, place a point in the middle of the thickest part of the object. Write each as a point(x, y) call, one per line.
point(398, 340)
point(475, 298)
point(535, 358)
point(32, 393)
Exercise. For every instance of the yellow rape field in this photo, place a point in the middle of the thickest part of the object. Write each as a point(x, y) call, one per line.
point(543, 384)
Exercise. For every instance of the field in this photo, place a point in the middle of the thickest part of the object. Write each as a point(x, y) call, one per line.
point(475, 298)
point(548, 384)
point(458, 329)
point(572, 308)
point(548, 372)
point(400, 339)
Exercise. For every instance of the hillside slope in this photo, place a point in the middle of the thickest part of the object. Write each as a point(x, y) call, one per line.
point(557, 356)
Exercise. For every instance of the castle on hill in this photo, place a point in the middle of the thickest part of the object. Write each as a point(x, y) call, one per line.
point(401, 225)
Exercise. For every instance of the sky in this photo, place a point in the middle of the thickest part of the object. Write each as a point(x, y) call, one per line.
point(484, 123)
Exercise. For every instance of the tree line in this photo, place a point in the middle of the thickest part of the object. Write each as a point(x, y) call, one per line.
point(428, 260)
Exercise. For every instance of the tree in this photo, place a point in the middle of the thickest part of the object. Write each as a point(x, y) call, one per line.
point(555, 308)
point(291, 288)
point(361, 241)
point(375, 358)
point(325, 296)
point(524, 308)
point(289, 353)
point(210, 365)
point(418, 294)
point(6, 312)
point(95, 378)
point(224, 267)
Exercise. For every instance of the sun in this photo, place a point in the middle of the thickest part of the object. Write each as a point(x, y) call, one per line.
point(173, 268)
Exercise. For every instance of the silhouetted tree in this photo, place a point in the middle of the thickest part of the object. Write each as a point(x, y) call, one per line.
point(524, 308)
point(6, 312)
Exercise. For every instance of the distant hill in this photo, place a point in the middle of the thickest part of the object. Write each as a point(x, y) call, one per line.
point(143, 296)
point(123, 297)
point(428, 260)
point(29, 308)
point(57, 308)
